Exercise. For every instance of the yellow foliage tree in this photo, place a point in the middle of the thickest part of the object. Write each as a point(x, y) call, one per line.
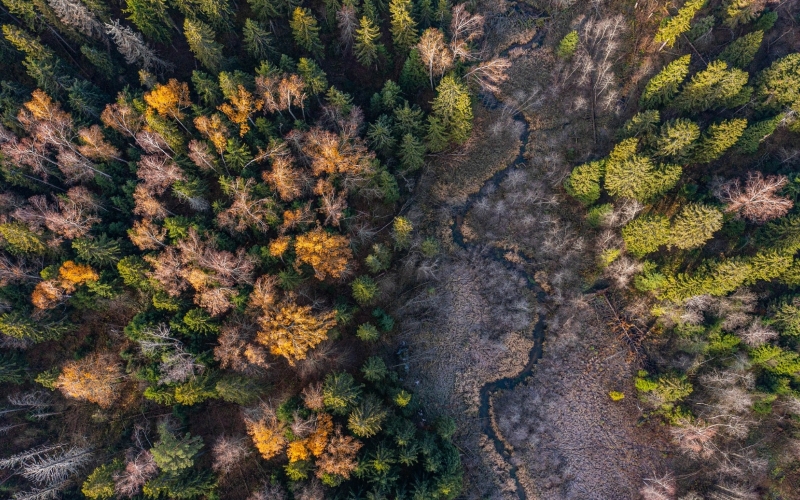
point(213, 129)
point(267, 435)
point(297, 451)
point(241, 106)
point(328, 254)
point(93, 378)
point(71, 274)
point(291, 330)
point(47, 294)
point(169, 99)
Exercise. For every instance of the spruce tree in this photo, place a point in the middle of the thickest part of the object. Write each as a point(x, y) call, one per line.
point(568, 45)
point(403, 26)
point(316, 79)
point(413, 75)
point(716, 86)
point(411, 153)
point(366, 42)
point(642, 124)
point(718, 138)
point(755, 133)
point(305, 30)
point(453, 107)
point(265, 10)
point(367, 419)
point(380, 136)
point(424, 12)
point(630, 175)
point(694, 225)
point(768, 264)
point(741, 51)
point(340, 393)
point(664, 86)
point(646, 234)
point(436, 138)
point(201, 41)
point(741, 11)
point(779, 85)
point(677, 138)
point(257, 40)
point(173, 454)
point(673, 27)
point(584, 182)
point(151, 17)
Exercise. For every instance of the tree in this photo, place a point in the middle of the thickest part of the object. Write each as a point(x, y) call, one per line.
point(741, 11)
point(714, 87)
point(413, 74)
point(643, 124)
point(673, 27)
point(401, 232)
point(718, 138)
point(646, 234)
point(240, 108)
point(779, 85)
point(583, 182)
point(75, 14)
point(200, 38)
point(366, 46)
point(291, 330)
point(434, 53)
point(741, 51)
point(368, 333)
point(756, 133)
point(374, 369)
point(567, 46)
point(173, 454)
point(315, 79)
point(677, 138)
point(328, 254)
point(151, 17)
point(267, 434)
point(364, 289)
point(93, 378)
point(366, 419)
point(630, 175)
point(257, 40)
point(340, 392)
point(305, 30)
point(132, 47)
point(339, 458)
point(756, 201)
point(664, 86)
point(694, 225)
point(411, 153)
point(403, 26)
point(100, 483)
point(170, 99)
point(347, 22)
point(453, 108)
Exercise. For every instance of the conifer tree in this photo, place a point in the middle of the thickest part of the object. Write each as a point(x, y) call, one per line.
point(630, 175)
point(151, 17)
point(664, 86)
point(646, 234)
point(173, 454)
point(568, 45)
point(453, 107)
point(714, 87)
point(367, 418)
point(779, 85)
point(315, 79)
point(257, 40)
point(741, 11)
point(413, 75)
point(305, 30)
point(642, 124)
point(436, 137)
point(694, 225)
point(718, 138)
point(677, 138)
point(741, 51)
point(403, 26)
point(200, 38)
point(340, 393)
point(755, 133)
point(673, 27)
point(366, 45)
point(584, 181)
point(424, 12)
point(411, 153)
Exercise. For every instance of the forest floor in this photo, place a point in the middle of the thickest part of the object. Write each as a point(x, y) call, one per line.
point(506, 224)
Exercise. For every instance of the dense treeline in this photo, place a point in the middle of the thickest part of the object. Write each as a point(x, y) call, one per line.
point(711, 245)
point(195, 218)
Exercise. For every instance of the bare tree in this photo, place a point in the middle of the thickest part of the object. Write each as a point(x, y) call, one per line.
point(464, 29)
point(74, 13)
point(51, 468)
point(347, 21)
point(757, 200)
point(132, 46)
point(228, 452)
point(139, 468)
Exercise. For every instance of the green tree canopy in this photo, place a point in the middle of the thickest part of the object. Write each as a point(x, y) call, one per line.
point(665, 85)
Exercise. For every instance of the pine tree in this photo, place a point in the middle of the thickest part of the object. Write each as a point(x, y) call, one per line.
point(257, 40)
point(646, 234)
point(673, 27)
point(453, 107)
point(366, 42)
point(694, 225)
point(755, 133)
point(305, 30)
point(718, 138)
point(411, 153)
point(741, 51)
point(664, 86)
point(583, 182)
point(677, 138)
point(779, 85)
point(403, 26)
point(716, 86)
point(201, 41)
point(151, 17)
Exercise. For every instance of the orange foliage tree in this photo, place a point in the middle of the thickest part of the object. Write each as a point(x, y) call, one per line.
point(93, 378)
point(241, 106)
point(328, 254)
point(169, 99)
point(267, 434)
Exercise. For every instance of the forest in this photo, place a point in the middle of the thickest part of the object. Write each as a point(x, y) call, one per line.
point(399, 249)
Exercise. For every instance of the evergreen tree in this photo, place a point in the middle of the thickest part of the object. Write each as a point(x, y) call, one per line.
point(755, 133)
point(584, 181)
point(413, 75)
point(257, 40)
point(411, 153)
point(200, 38)
point(568, 45)
point(305, 30)
point(741, 11)
point(677, 138)
point(340, 393)
point(453, 107)
point(151, 17)
point(767, 265)
point(718, 138)
point(741, 52)
point(100, 60)
point(379, 135)
point(366, 46)
point(673, 27)
point(364, 289)
point(316, 80)
point(779, 85)
point(646, 234)
point(265, 10)
point(436, 138)
point(368, 332)
point(374, 369)
point(403, 26)
point(643, 124)
point(634, 176)
point(716, 86)
point(206, 87)
point(664, 86)
point(367, 418)
point(100, 251)
point(173, 454)
point(424, 12)
point(694, 225)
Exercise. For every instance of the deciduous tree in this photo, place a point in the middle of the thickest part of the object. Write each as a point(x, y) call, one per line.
point(93, 378)
point(756, 201)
